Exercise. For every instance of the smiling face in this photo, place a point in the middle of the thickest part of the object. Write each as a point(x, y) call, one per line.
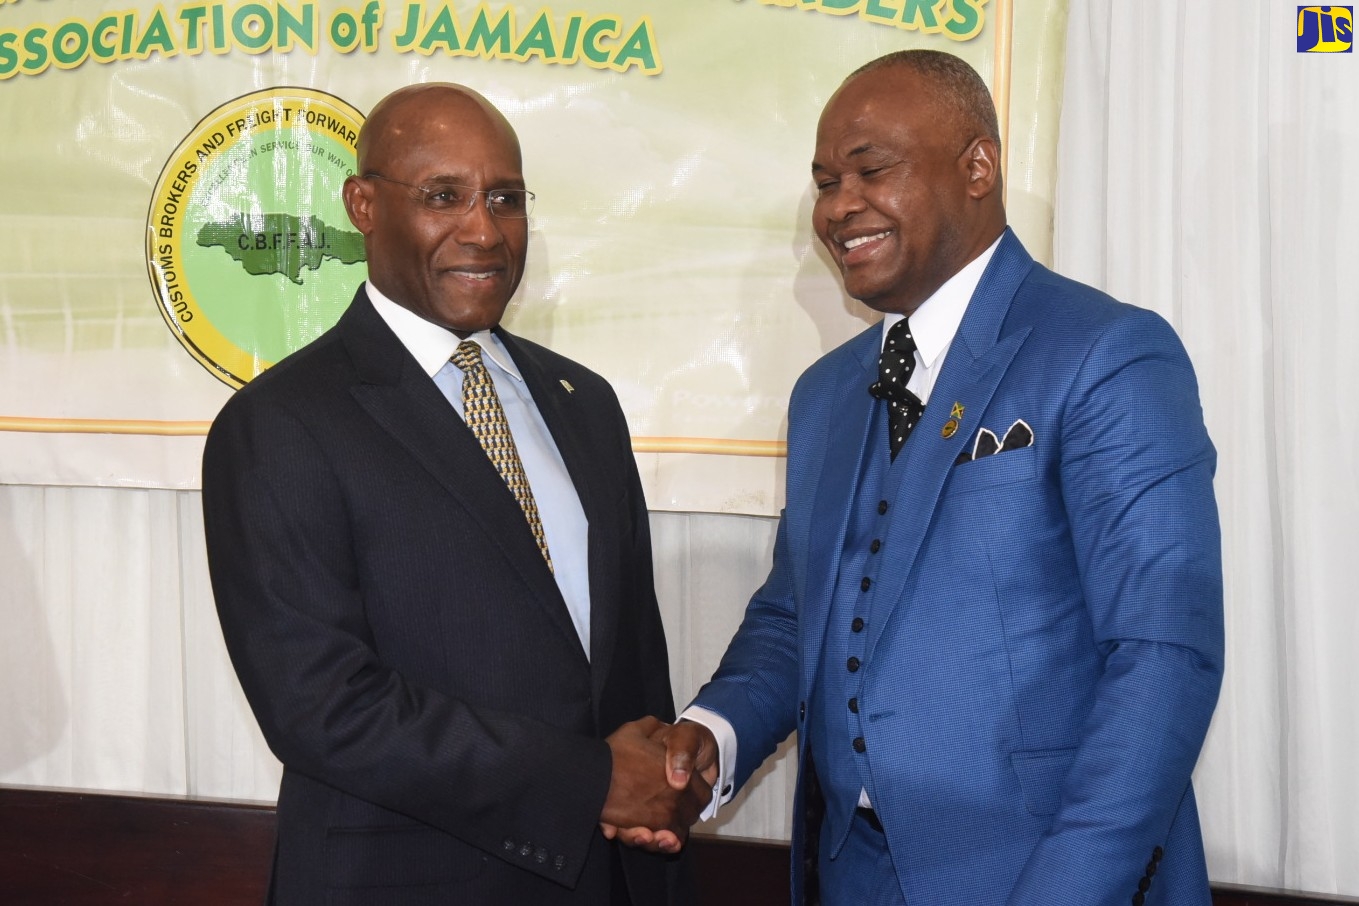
point(907, 189)
point(456, 270)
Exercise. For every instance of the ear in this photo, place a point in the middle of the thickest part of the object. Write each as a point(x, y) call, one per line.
point(982, 159)
point(358, 203)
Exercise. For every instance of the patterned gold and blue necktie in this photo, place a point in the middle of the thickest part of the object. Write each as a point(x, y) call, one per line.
point(486, 418)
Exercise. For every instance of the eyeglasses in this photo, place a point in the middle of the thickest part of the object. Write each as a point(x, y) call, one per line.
point(450, 198)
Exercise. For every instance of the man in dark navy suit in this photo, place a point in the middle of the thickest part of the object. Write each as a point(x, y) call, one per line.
point(432, 564)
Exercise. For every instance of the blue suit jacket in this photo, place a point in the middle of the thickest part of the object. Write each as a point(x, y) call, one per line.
point(1036, 696)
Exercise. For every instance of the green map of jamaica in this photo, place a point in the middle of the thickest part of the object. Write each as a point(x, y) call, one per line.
point(282, 243)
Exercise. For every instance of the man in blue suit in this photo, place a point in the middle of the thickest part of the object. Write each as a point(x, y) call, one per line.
point(994, 616)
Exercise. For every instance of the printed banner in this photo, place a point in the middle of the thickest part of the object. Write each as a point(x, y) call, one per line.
point(172, 222)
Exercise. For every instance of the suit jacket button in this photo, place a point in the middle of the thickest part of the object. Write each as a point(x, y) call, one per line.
point(559, 863)
point(508, 844)
point(540, 855)
point(853, 665)
point(859, 745)
point(526, 850)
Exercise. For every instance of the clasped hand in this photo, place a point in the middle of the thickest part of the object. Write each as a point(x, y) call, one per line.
point(663, 775)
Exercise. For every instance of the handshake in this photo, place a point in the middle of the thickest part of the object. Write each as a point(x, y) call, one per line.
point(663, 776)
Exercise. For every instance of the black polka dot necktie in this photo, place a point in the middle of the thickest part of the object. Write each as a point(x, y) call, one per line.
point(485, 416)
point(895, 366)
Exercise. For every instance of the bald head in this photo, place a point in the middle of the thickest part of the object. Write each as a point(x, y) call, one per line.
point(956, 89)
point(409, 112)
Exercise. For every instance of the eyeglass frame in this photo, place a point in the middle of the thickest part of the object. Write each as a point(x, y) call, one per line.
point(529, 197)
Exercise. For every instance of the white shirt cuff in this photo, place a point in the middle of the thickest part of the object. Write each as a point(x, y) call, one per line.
point(723, 788)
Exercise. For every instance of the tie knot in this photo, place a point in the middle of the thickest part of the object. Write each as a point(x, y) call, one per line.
point(899, 337)
point(467, 356)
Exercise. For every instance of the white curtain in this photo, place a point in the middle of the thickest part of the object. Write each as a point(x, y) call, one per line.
point(1207, 172)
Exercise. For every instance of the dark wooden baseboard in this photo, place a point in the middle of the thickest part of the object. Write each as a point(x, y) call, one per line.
point(80, 849)
point(1240, 895)
point(68, 848)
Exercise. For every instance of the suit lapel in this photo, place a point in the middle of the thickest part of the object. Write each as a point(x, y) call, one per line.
point(560, 411)
point(406, 403)
point(977, 361)
point(846, 439)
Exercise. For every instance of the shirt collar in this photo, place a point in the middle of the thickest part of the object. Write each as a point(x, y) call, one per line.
point(430, 344)
point(935, 322)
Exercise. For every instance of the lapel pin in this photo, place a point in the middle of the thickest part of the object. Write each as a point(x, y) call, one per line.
point(955, 415)
point(567, 385)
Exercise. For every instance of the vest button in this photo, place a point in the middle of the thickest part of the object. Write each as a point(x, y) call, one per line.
point(853, 665)
point(882, 507)
point(875, 546)
point(857, 625)
point(859, 744)
point(853, 706)
point(866, 584)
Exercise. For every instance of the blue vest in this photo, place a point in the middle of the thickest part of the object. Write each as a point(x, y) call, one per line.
point(836, 728)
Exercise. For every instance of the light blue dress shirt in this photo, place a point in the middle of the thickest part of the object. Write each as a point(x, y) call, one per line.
point(564, 523)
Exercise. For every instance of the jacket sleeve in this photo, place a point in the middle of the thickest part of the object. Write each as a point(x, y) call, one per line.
point(1136, 478)
point(755, 686)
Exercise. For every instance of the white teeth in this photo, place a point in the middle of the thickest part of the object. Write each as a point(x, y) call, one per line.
point(483, 276)
point(860, 240)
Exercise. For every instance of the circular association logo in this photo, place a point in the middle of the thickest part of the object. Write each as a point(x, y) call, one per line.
point(250, 252)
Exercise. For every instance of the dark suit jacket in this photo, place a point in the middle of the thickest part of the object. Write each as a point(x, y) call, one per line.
point(1044, 642)
point(404, 647)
